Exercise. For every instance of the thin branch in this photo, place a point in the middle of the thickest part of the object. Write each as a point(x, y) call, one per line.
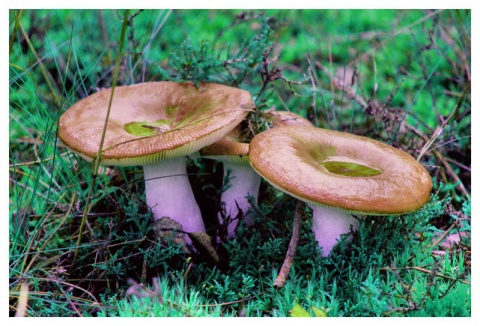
point(292, 247)
point(442, 160)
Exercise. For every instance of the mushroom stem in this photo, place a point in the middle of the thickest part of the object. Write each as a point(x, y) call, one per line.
point(169, 194)
point(328, 224)
point(244, 181)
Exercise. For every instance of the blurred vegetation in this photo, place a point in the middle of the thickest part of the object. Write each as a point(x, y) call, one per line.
point(399, 76)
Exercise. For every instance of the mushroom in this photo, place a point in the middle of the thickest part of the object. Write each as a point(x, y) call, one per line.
point(156, 124)
point(339, 174)
point(284, 119)
point(232, 150)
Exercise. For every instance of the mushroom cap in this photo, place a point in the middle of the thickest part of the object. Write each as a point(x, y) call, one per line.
point(234, 148)
point(152, 121)
point(285, 119)
point(337, 169)
point(230, 148)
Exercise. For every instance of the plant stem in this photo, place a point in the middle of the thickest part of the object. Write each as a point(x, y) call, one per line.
point(99, 155)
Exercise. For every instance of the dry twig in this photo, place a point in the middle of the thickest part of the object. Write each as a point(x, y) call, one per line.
point(292, 247)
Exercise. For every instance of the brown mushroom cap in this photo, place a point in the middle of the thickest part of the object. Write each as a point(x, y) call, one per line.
point(285, 119)
point(337, 169)
point(231, 148)
point(152, 121)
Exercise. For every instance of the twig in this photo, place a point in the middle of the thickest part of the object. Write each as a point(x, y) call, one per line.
point(74, 307)
point(461, 165)
point(442, 160)
point(444, 235)
point(311, 76)
point(22, 301)
point(437, 132)
point(292, 247)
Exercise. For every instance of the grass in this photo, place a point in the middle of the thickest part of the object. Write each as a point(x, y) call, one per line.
point(81, 243)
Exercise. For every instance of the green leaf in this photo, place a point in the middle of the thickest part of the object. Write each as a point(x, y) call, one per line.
point(298, 311)
point(319, 312)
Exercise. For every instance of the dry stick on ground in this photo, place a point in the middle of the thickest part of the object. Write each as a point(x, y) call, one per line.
point(292, 247)
point(22, 300)
point(445, 234)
